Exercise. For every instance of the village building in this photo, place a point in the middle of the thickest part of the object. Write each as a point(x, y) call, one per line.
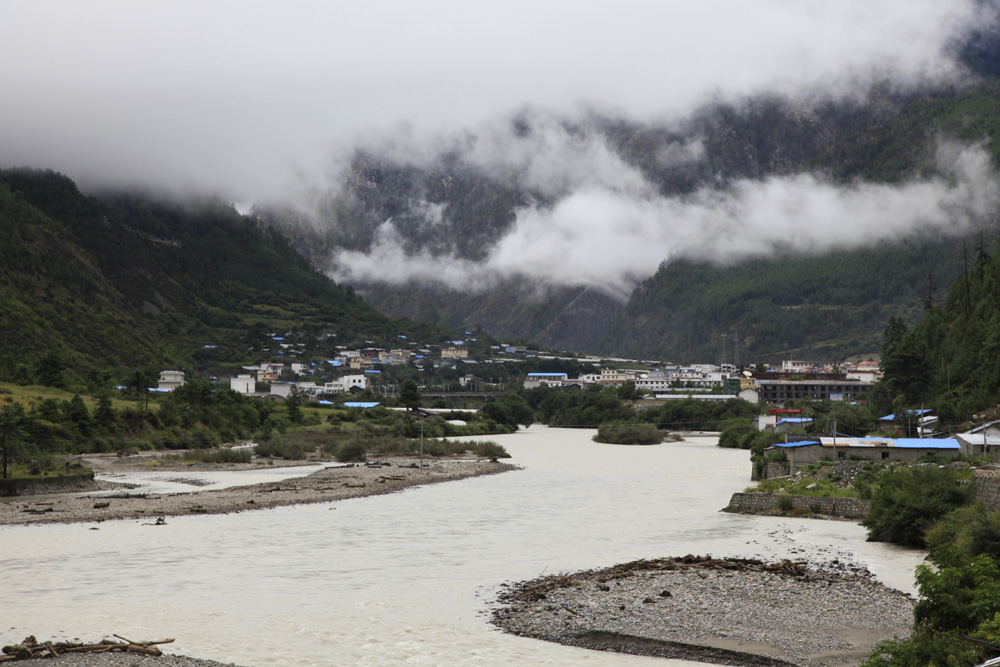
point(455, 353)
point(345, 384)
point(551, 379)
point(923, 422)
point(780, 392)
point(801, 453)
point(394, 358)
point(170, 380)
point(613, 376)
point(243, 384)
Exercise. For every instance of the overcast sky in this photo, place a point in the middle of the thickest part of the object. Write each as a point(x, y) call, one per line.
point(244, 97)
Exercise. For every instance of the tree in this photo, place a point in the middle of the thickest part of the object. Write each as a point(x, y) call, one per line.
point(49, 370)
point(907, 502)
point(12, 420)
point(409, 395)
point(293, 407)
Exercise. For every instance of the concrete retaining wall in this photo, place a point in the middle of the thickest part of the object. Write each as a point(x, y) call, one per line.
point(767, 503)
point(986, 489)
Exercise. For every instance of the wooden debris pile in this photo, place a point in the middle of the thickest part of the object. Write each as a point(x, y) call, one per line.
point(32, 648)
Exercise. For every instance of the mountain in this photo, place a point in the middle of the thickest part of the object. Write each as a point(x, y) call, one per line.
point(450, 206)
point(126, 280)
point(828, 306)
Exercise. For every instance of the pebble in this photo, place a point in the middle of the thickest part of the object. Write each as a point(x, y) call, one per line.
point(819, 619)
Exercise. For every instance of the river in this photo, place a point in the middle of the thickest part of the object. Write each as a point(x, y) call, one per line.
point(408, 578)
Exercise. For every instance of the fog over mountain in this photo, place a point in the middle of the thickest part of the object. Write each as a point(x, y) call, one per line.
point(264, 102)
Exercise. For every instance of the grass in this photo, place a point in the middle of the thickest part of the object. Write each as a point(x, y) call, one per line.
point(45, 470)
point(31, 395)
point(220, 455)
point(822, 489)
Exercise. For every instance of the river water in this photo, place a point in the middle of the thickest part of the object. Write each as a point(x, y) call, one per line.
point(408, 578)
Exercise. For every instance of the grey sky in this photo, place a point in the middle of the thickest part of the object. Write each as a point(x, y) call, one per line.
point(248, 97)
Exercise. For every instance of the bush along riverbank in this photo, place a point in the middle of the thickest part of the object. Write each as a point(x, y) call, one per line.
point(841, 489)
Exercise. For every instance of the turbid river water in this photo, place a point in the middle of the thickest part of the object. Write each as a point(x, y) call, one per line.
point(404, 579)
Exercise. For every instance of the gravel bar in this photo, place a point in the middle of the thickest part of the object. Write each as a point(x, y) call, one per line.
point(329, 484)
point(726, 611)
point(128, 660)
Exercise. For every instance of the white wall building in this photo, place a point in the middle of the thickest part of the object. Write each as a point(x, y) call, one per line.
point(243, 384)
point(344, 384)
point(170, 380)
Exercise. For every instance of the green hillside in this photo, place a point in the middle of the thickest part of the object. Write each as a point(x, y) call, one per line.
point(814, 307)
point(130, 280)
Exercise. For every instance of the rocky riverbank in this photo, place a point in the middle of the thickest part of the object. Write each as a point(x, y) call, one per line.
point(329, 484)
point(129, 660)
point(728, 611)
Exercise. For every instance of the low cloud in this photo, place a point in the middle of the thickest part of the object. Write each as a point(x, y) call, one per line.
point(608, 238)
point(250, 100)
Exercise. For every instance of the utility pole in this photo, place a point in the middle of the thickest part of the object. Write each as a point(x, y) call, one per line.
point(421, 444)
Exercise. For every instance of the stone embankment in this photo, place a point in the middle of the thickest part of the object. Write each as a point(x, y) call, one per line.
point(986, 488)
point(780, 503)
point(329, 484)
point(728, 611)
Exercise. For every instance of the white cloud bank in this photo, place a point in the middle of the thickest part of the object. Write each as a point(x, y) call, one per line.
point(250, 98)
point(608, 238)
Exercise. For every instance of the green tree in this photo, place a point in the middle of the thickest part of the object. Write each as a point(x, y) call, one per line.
point(12, 422)
point(409, 395)
point(49, 370)
point(907, 502)
point(293, 407)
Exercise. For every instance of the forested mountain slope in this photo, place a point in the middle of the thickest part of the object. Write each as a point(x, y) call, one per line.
point(127, 280)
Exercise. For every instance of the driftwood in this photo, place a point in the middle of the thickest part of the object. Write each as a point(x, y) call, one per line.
point(32, 648)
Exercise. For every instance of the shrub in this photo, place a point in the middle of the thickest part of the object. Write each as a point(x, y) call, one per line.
point(221, 455)
point(282, 449)
point(908, 501)
point(352, 452)
point(490, 449)
point(628, 433)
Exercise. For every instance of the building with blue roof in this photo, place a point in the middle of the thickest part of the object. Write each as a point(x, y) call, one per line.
point(800, 453)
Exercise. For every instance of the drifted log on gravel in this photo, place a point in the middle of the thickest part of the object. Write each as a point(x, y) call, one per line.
point(32, 648)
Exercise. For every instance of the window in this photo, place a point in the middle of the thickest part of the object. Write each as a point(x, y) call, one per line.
point(885, 455)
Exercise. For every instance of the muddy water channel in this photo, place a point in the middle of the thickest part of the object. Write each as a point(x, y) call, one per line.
point(404, 579)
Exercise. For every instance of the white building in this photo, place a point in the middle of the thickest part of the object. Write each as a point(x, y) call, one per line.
point(170, 380)
point(344, 384)
point(282, 389)
point(243, 384)
point(538, 379)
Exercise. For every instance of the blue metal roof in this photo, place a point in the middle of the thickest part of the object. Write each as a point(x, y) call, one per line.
point(547, 375)
point(927, 443)
point(360, 404)
point(794, 420)
point(801, 443)
point(902, 415)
